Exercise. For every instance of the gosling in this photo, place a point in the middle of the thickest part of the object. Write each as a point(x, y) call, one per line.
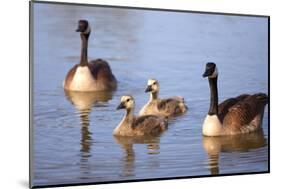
point(148, 125)
point(169, 107)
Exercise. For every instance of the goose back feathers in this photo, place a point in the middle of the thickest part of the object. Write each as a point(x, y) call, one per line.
point(245, 115)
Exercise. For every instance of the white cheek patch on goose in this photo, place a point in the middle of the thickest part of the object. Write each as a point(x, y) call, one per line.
point(214, 74)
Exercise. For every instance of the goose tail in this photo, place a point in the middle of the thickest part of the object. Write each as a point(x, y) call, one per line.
point(262, 97)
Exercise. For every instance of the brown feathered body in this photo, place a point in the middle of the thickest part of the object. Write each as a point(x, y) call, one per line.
point(239, 115)
point(242, 114)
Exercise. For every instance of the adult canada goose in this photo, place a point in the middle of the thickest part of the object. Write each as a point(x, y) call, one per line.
point(89, 76)
point(138, 126)
point(242, 114)
point(167, 107)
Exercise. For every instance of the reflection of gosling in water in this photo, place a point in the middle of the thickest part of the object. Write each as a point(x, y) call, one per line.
point(167, 107)
point(138, 126)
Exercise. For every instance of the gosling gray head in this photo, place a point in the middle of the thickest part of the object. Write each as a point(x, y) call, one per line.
point(152, 86)
point(127, 102)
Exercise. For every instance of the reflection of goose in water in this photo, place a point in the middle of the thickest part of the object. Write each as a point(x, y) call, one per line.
point(236, 143)
point(86, 142)
point(83, 102)
point(129, 157)
point(86, 100)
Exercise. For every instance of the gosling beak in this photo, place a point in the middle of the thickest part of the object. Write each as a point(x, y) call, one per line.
point(121, 106)
point(78, 30)
point(148, 89)
point(207, 73)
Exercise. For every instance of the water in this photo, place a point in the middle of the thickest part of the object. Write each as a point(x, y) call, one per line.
point(73, 141)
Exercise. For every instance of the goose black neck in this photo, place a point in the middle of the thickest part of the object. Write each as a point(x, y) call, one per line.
point(84, 49)
point(214, 96)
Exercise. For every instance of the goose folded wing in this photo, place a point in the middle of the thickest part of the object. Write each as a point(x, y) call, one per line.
point(100, 69)
point(244, 111)
point(225, 106)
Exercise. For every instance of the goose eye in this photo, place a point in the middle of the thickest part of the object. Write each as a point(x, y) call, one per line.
point(154, 83)
point(128, 100)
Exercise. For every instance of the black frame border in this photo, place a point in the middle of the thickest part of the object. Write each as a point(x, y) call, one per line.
point(31, 63)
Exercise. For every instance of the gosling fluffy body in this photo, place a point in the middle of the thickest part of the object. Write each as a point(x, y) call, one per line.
point(148, 125)
point(169, 107)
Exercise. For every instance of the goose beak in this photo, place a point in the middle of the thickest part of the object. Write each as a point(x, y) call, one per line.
point(207, 73)
point(78, 30)
point(121, 106)
point(148, 89)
